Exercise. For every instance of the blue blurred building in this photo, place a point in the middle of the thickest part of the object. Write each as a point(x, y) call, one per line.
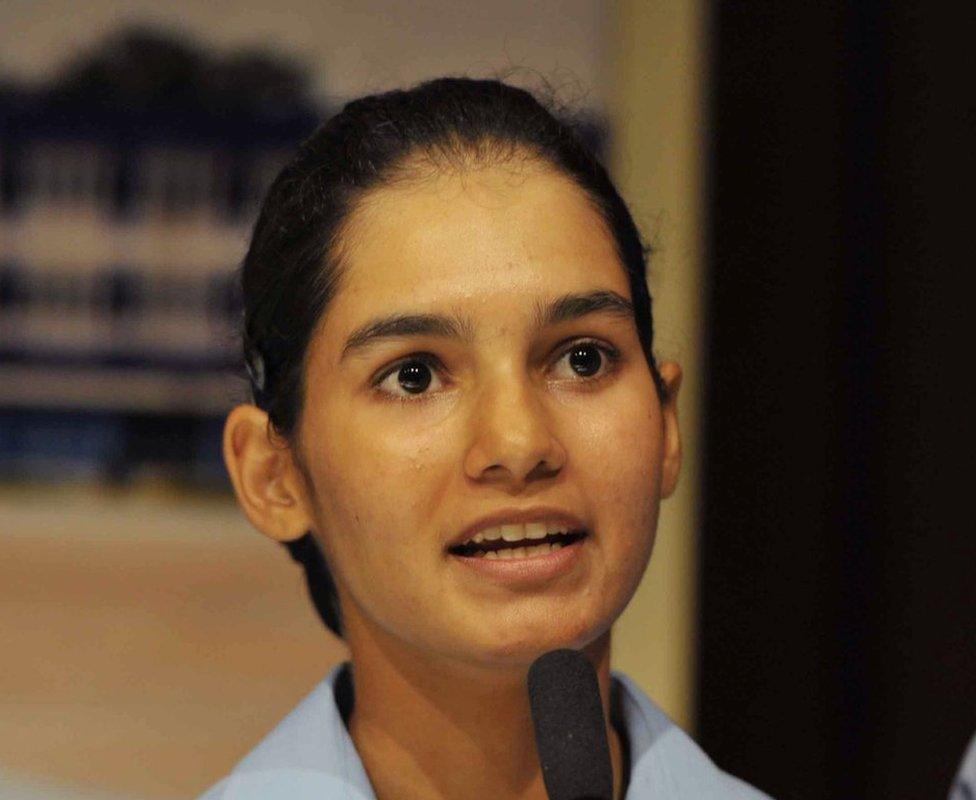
point(127, 190)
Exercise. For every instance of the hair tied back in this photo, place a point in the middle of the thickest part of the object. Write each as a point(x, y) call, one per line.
point(306, 551)
point(254, 363)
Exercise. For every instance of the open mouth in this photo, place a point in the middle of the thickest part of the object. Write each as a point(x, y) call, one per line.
point(523, 547)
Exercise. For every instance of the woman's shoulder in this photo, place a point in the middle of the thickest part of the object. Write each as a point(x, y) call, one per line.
point(309, 754)
point(964, 786)
point(664, 760)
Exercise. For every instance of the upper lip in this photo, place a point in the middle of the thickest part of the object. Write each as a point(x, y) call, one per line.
point(515, 516)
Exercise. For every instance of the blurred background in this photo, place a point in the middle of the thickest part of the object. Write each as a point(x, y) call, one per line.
point(804, 172)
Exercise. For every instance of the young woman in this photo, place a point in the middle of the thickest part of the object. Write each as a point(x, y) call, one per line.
point(461, 431)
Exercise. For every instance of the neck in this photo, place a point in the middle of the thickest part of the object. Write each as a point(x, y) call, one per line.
point(427, 728)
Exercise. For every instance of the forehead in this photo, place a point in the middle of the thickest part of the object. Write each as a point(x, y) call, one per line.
point(471, 240)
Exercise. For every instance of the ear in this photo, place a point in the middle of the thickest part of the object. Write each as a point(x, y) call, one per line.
point(671, 456)
point(267, 481)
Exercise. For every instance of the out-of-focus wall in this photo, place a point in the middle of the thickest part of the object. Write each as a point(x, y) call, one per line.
point(657, 62)
point(150, 639)
point(352, 48)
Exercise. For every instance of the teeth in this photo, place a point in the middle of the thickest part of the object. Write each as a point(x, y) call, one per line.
point(513, 533)
point(522, 552)
point(518, 533)
point(530, 551)
point(535, 530)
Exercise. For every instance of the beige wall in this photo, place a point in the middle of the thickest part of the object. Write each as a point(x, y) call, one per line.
point(150, 640)
point(656, 106)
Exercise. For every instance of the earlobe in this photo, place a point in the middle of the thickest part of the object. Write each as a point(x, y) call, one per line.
point(266, 480)
point(671, 445)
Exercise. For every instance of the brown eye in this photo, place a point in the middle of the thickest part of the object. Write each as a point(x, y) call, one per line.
point(588, 361)
point(585, 359)
point(414, 377)
point(411, 378)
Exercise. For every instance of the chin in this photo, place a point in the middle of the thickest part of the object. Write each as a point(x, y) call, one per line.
point(520, 646)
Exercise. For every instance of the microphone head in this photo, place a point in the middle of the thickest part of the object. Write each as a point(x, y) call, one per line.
point(570, 730)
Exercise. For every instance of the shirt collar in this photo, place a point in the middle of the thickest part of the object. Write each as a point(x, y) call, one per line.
point(310, 753)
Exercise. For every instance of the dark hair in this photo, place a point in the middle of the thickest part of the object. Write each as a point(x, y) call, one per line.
point(292, 269)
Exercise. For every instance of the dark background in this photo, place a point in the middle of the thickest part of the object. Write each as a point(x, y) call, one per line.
point(838, 644)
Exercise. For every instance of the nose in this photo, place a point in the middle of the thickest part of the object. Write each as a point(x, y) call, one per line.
point(511, 441)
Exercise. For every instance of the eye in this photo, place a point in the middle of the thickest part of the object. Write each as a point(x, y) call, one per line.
point(410, 378)
point(589, 360)
point(417, 375)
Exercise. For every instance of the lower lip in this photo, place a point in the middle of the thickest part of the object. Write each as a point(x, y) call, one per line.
point(522, 571)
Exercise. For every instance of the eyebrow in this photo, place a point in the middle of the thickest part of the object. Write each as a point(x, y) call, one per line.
point(562, 309)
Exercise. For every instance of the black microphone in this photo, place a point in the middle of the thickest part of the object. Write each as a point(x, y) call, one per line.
point(570, 731)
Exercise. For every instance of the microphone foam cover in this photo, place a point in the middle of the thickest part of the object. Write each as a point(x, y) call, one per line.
point(570, 731)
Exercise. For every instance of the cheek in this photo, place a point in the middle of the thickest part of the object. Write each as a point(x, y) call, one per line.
point(619, 459)
point(376, 484)
point(618, 443)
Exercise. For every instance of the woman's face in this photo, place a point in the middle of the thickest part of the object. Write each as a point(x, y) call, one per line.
point(479, 360)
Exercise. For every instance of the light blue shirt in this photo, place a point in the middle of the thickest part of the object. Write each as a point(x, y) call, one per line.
point(309, 756)
point(964, 786)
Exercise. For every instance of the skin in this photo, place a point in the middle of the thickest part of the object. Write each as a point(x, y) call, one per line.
point(387, 479)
